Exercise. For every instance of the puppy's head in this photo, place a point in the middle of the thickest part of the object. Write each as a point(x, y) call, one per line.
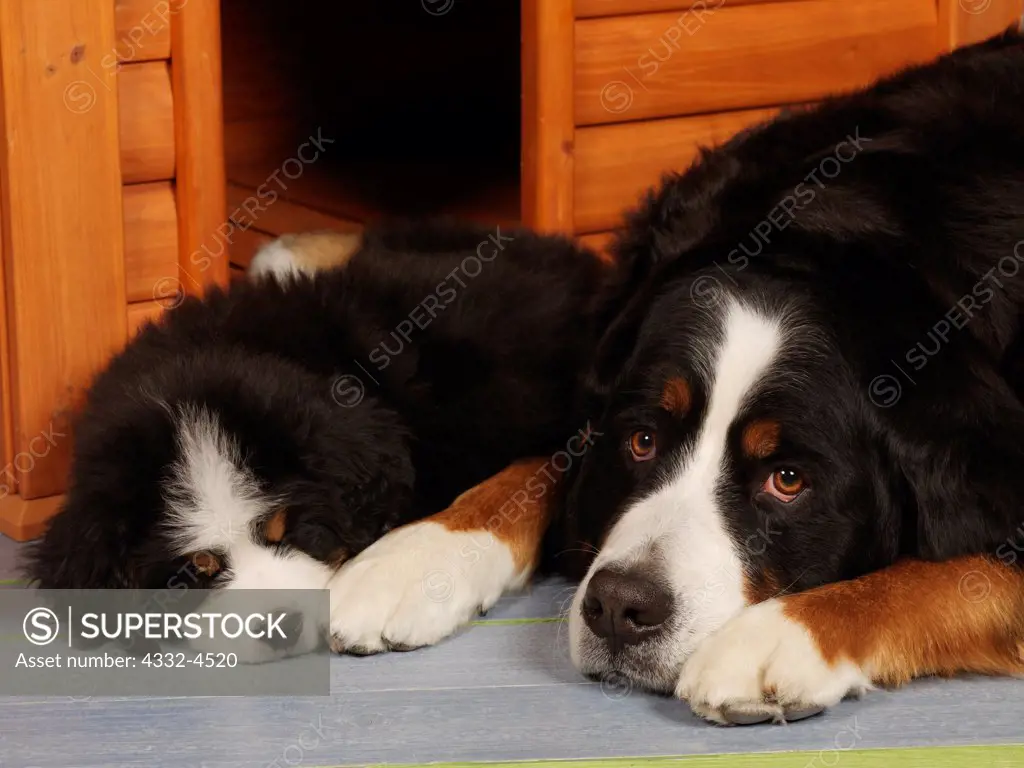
point(738, 459)
point(220, 468)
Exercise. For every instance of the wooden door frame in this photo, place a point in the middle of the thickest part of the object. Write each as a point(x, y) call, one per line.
point(962, 22)
point(62, 239)
point(548, 121)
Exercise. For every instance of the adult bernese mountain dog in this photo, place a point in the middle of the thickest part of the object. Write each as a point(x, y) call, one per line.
point(782, 430)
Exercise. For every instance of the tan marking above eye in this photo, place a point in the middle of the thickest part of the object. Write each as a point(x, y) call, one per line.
point(206, 563)
point(760, 438)
point(273, 529)
point(676, 397)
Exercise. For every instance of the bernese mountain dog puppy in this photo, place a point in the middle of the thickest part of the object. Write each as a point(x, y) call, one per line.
point(781, 434)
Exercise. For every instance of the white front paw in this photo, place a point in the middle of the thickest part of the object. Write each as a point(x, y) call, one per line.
point(276, 259)
point(762, 665)
point(416, 586)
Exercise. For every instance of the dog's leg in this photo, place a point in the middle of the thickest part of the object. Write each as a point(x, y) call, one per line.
point(800, 653)
point(306, 253)
point(420, 583)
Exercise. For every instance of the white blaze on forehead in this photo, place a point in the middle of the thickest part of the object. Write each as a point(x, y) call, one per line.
point(214, 501)
point(213, 498)
point(701, 561)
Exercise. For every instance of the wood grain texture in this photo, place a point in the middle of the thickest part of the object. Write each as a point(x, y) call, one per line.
point(62, 209)
point(596, 8)
point(547, 116)
point(25, 519)
point(199, 141)
point(143, 28)
point(666, 64)
point(247, 209)
point(8, 480)
point(963, 22)
point(245, 244)
point(615, 164)
point(150, 239)
point(142, 312)
point(146, 119)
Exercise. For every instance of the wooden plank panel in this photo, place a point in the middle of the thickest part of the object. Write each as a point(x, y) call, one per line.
point(63, 234)
point(143, 28)
point(199, 141)
point(630, 68)
point(969, 21)
point(547, 116)
point(141, 312)
point(245, 244)
point(25, 519)
point(596, 8)
point(281, 216)
point(150, 240)
point(8, 479)
point(598, 243)
point(146, 118)
point(616, 163)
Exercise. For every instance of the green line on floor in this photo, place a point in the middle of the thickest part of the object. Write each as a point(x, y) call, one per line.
point(1010, 756)
point(12, 582)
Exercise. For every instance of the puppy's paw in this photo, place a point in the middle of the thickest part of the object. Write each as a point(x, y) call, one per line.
point(762, 665)
point(272, 630)
point(416, 586)
point(304, 254)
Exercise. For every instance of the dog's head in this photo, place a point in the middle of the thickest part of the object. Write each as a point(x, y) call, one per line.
point(215, 468)
point(757, 437)
point(736, 461)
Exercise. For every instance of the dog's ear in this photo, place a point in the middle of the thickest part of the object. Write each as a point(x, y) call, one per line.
point(616, 346)
point(965, 474)
point(80, 550)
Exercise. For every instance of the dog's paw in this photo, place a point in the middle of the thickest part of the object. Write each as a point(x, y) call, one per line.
point(416, 586)
point(272, 629)
point(762, 665)
point(276, 259)
point(290, 256)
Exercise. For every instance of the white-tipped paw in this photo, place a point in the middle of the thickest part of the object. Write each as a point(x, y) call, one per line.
point(416, 586)
point(762, 665)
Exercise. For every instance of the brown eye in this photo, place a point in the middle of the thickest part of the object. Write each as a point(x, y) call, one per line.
point(206, 563)
point(784, 484)
point(642, 445)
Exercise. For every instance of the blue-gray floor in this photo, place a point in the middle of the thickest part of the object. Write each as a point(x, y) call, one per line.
point(502, 690)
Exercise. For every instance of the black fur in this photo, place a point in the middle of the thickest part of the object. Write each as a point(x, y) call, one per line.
point(931, 202)
point(491, 377)
point(924, 217)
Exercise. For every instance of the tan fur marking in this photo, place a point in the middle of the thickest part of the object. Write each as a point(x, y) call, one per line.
point(206, 563)
point(273, 529)
point(760, 588)
point(761, 438)
point(323, 250)
point(675, 397)
point(515, 506)
point(337, 558)
point(920, 618)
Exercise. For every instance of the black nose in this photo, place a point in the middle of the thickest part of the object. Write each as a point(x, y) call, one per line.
point(284, 634)
point(625, 608)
